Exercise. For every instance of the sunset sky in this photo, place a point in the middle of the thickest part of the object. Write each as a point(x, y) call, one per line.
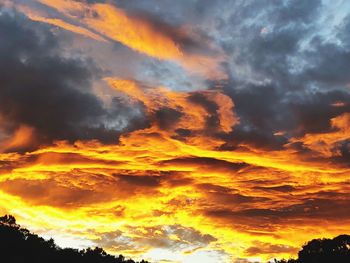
point(177, 131)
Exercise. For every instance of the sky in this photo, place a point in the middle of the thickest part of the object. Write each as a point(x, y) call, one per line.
point(177, 131)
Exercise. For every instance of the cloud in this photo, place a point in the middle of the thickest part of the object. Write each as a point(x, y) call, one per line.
point(279, 188)
point(332, 143)
point(284, 82)
point(307, 211)
point(197, 129)
point(138, 31)
point(146, 181)
point(227, 196)
point(260, 248)
point(205, 163)
point(172, 237)
point(47, 96)
point(52, 193)
point(202, 112)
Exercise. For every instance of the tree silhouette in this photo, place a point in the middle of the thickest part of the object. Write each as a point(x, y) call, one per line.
point(19, 245)
point(8, 219)
point(324, 250)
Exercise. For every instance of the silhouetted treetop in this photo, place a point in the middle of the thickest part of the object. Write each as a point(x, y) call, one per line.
point(19, 245)
point(336, 250)
point(8, 219)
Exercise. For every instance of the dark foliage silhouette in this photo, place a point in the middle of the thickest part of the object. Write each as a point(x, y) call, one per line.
point(336, 250)
point(18, 245)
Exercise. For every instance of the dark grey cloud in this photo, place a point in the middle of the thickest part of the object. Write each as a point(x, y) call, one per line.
point(298, 11)
point(328, 63)
point(160, 9)
point(227, 196)
point(317, 207)
point(140, 180)
point(206, 163)
point(51, 92)
point(167, 117)
point(314, 111)
point(153, 180)
point(264, 112)
point(344, 32)
point(287, 73)
point(342, 150)
point(279, 188)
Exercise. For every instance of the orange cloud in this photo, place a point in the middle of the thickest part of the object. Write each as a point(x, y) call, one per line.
point(170, 182)
point(136, 33)
point(324, 143)
point(158, 189)
point(67, 26)
point(172, 186)
point(22, 137)
point(193, 114)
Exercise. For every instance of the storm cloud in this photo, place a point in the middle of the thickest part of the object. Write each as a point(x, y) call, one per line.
point(49, 91)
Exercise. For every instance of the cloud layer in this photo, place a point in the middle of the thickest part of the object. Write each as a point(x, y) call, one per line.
point(183, 131)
